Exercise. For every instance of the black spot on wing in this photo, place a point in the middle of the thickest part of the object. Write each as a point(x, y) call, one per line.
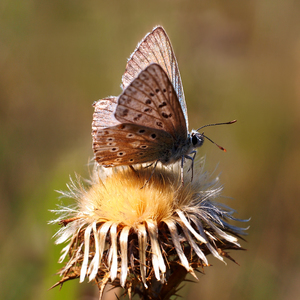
point(162, 104)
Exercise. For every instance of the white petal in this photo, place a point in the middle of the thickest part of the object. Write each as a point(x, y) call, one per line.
point(175, 238)
point(194, 245)
point(114, 265)
point(213, 251)
point(157, 258)
point(142, 237)
point(94, 265)
point(188, 225)
point(102, 231)
point(124, 254)
point(64, 252)
point(86, 252)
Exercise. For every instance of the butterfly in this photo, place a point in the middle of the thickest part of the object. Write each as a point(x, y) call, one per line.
point(148, 122)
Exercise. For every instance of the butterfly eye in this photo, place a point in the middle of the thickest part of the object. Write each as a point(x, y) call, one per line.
point(197, 140)
point(194, 140)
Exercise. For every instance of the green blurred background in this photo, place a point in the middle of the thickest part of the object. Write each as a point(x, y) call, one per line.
point(238, 60)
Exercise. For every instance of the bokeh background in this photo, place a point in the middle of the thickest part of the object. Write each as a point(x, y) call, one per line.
point(238, 60)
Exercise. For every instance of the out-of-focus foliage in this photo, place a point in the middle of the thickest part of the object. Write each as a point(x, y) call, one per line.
point(238, 60)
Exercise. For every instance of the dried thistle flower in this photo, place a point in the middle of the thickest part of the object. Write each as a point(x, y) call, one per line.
point(144, 240)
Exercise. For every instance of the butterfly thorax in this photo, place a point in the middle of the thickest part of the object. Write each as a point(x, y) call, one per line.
point(183, 148)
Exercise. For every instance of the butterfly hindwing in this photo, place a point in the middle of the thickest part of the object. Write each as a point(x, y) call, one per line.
point(150, 100)
point(156, 47)
point(128, 144)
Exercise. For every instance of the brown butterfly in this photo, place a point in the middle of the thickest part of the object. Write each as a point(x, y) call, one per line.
point(148, 122)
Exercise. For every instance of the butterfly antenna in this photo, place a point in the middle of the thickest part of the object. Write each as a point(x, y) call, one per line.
point(215, 124)
point(223, 149)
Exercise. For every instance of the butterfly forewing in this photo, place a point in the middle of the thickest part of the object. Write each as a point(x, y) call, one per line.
point(150, 100)
point(104, 113)
point(156, 48)
point(128, 144)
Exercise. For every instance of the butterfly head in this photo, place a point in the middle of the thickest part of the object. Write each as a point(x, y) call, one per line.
point(197, 139)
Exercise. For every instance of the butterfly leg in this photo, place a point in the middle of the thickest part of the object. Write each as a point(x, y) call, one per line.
point(181, 169)
point(149, 165)
point(192, 158)
point(152, 172)
point(194, 152)
point(134, 170)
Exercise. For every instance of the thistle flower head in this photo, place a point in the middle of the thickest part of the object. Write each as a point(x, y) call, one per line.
point(139, 238)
